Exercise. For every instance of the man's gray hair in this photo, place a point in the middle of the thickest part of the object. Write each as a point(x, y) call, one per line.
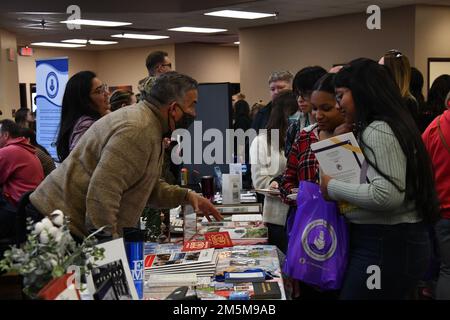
point(281, 76)
point(169, 87)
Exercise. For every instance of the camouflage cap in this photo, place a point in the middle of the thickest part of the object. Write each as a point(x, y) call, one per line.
point(145, 86)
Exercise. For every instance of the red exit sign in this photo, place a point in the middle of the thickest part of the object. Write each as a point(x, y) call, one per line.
point(26, 51)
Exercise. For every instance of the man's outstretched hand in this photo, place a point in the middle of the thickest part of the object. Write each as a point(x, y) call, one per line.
point(203, 206)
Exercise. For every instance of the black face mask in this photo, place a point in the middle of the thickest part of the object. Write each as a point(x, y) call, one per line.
point(185, 121)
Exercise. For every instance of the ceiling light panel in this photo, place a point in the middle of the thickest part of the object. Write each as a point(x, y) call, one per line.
point(93, 42)
point(98, 23)
point(197, 30)
point(139, 36)
point(239, 14)
point(57, 45)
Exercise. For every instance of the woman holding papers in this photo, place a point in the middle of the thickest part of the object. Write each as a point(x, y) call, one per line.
point(389, 243)
point(302, 163)
point(268, 163)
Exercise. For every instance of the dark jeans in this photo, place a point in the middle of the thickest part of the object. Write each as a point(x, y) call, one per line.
point(277, 236)
point(443, 238)
point(402, 252)
point(7, 218)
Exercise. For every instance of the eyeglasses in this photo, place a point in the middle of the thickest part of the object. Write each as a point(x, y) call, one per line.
point(101, 89)
point(305, 95)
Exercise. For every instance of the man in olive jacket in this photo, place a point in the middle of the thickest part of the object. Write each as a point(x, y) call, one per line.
point(115, 168)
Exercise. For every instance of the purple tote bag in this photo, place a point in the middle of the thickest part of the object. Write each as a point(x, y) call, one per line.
point(318, 240)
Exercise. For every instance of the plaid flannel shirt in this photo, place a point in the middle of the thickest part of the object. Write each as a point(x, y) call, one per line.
point(301, 164)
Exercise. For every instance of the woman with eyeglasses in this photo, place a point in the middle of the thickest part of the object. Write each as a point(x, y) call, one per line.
point(389, 244)
point(400, 69)
point(302, 86)
point(86, 99)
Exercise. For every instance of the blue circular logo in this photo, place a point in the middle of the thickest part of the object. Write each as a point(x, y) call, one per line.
point(52, 85)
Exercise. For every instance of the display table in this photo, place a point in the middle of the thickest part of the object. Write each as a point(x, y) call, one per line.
point(233, 260)
point(208, 273)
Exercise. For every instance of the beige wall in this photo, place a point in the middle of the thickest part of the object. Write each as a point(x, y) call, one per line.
point(208, 63)
point(432, 36)
point(127, 66)
point(79, 61)
point(9, 89)
point(114, 67)
point(324, 42)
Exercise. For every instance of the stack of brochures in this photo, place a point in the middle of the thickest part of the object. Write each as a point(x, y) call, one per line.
point(201, 263)
point(160, 286)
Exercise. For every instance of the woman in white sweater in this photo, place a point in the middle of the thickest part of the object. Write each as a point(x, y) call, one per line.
point(389, 243)
point(268, 164)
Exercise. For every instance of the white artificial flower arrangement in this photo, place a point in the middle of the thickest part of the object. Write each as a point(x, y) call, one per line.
point(48, 253)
